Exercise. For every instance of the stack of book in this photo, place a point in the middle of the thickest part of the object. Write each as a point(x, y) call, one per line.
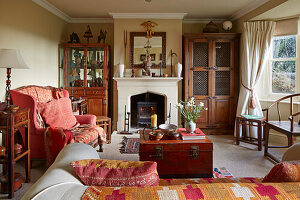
point(197, 135)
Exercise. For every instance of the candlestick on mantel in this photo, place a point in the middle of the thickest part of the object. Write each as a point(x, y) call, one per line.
point(154, 120)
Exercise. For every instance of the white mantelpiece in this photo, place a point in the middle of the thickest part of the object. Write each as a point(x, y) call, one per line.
point(128, 87)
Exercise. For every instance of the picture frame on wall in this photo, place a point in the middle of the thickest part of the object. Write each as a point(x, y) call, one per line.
point(142, 57)
point(152, 56)
point(160, 56)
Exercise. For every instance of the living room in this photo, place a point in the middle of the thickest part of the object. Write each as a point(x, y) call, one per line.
point(41, 29)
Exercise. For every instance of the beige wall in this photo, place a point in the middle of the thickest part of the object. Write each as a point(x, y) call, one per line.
point(173, 29)
point(36, 33)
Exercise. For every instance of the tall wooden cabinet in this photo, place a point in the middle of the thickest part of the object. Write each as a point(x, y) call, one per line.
point(84, 73)
point(211, 76)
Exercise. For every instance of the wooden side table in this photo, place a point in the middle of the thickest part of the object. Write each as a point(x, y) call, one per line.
point(259, 123)
point(105, 122)
point(10, 122)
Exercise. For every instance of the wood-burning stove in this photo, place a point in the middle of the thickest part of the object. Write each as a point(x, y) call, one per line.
point(144, 111)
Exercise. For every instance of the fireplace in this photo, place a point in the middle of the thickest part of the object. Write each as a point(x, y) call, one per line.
point(143, 106)
point(144, 112)
point(166, 87)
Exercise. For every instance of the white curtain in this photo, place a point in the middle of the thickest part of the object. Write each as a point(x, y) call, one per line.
point(256, 44)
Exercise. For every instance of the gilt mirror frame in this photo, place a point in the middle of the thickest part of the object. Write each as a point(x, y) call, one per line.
point(141, 34)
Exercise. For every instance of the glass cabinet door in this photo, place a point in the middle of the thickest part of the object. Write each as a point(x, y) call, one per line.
point(75, 66)
point(95, 67)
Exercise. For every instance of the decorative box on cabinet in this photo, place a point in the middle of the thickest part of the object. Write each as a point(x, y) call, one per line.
point(211, 76)
point(90, 80)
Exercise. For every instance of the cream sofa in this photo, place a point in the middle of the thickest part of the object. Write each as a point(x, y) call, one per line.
point(60, 180)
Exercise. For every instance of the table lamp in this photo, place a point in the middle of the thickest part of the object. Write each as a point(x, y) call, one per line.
point(73, 73)
point(11, 58)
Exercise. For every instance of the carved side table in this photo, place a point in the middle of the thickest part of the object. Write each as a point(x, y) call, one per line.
point(105, 122)
point(10, 122)
point(259, 123)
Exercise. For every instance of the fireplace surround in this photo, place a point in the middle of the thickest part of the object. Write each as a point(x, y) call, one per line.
point(164, 86)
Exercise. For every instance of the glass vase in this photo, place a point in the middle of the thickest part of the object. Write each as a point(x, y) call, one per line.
point(190, 126)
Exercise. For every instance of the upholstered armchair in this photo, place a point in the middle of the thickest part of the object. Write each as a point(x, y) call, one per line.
point(29, 97)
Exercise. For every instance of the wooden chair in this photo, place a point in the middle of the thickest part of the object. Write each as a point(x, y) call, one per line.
point(288, 127)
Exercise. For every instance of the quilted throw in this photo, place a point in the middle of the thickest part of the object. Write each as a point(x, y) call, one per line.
point(213, 191)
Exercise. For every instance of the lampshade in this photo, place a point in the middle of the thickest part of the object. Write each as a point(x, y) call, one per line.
point(11, 58)
point(73, 72)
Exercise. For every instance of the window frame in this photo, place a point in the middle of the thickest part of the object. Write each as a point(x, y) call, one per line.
point(271, 60)
point(269, 95)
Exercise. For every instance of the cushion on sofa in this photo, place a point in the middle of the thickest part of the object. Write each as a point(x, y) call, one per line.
point(58, 113)
point(116, 173)
point(284, 172)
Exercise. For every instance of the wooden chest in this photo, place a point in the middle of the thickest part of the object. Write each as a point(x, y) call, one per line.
point(178, 158)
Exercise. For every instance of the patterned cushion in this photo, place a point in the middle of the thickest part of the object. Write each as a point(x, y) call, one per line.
point(284, 172)
point(116, 173)
point(58, 113)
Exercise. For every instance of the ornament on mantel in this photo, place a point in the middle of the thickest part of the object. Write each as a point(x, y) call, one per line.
point(178, 69)
point(88, 34)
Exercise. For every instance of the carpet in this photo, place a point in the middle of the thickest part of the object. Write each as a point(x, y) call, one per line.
point(222, 172)
point(130, 145)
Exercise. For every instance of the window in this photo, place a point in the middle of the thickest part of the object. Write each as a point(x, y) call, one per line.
point(283, 64)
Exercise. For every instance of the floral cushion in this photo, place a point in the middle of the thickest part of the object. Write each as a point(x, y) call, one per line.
point(58, 113)
point(284, 172)
point(116, 173)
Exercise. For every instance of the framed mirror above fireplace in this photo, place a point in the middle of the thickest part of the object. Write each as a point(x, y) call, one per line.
point(140, 46)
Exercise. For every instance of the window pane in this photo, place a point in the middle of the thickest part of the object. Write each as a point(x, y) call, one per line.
point(283, 76)
point(284, 47)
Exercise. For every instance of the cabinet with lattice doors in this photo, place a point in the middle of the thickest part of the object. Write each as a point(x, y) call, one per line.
point(211, 76)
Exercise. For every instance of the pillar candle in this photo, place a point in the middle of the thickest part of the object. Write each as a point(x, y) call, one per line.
point(154, 120)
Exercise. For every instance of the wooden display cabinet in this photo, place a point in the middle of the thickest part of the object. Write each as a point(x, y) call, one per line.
point(211, 75)
point(85, 67)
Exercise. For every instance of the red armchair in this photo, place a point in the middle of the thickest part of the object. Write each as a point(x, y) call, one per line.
point(27, 97)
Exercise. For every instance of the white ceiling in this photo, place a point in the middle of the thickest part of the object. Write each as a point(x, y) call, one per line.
point(288, 9)
point(195, 9)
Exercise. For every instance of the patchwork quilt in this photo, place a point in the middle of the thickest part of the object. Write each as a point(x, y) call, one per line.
point(194, 189)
